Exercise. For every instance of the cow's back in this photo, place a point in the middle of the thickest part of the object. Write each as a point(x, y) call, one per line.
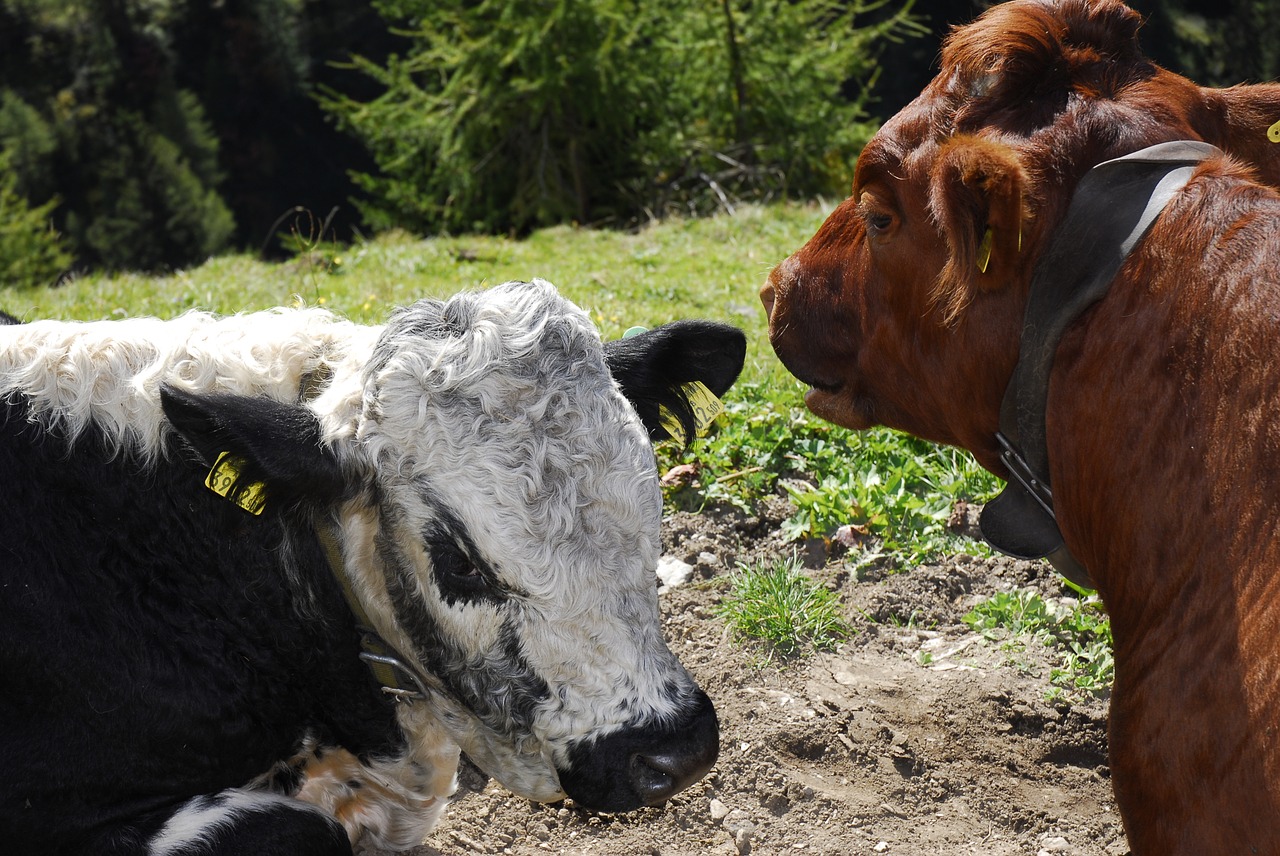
point(152, 645)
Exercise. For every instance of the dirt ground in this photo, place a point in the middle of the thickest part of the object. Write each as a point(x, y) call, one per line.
point(913, 737)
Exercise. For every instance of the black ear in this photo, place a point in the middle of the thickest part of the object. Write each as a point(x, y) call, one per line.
point(278, 445)
point(652, 368)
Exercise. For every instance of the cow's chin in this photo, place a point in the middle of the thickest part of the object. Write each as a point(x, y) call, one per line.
point(529, 775)
point(525, 770)
point(840, 408)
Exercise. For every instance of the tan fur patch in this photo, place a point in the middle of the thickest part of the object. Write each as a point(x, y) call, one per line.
point(394, 802)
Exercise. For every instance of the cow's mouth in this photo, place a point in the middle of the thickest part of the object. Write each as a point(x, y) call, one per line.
point(840, 405)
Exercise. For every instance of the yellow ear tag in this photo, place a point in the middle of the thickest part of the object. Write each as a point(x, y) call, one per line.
point(984, 250)
point(1273, 133)
point(223, 475)
point(704, 404)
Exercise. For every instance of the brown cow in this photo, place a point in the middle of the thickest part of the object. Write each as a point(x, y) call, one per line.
point(1162, 437)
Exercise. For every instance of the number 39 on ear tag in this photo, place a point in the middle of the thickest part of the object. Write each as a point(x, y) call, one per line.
point(222, 477)
point(704, 404)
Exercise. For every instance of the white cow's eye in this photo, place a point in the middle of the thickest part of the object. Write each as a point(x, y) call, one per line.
point(457, 576)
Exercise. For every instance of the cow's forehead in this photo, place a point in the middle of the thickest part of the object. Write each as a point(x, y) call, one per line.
point(899, 150)
point(501, 406)
point(499, 351)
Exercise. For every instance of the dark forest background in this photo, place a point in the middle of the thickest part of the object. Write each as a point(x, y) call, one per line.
point(151, 134)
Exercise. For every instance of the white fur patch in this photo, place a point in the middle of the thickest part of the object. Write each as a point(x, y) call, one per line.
point(108, 373)
point(203, 816)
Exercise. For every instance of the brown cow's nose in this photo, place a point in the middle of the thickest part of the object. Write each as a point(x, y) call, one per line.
point(767, 295)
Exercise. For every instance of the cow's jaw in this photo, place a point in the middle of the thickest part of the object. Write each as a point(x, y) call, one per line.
point(839, 408)
point(815, 339)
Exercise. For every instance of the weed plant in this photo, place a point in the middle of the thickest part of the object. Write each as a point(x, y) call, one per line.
point(1078, 630)
point(780, 605)
point(896, 488)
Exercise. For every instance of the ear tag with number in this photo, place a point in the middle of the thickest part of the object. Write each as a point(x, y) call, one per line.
point(984, 250)
point(223, 475)
point(704, 404)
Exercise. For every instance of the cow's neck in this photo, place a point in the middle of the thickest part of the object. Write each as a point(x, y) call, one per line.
point(1166, 455)
point(1113, 206)
point(391, 670)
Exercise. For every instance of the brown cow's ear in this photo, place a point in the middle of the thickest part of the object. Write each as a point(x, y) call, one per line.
point(976, 197)
point(1245, 122)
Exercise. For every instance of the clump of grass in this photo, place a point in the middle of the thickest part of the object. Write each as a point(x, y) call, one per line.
point(1079, 631)
point(780, 605)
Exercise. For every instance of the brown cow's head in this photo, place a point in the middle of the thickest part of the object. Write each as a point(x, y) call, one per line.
point(905, 308)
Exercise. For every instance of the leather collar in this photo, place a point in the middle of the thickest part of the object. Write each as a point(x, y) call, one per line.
point(1112, 208)
point(387, 665)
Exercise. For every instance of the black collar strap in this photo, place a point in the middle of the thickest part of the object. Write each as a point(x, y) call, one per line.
point(384, 661)
point(1113, 206)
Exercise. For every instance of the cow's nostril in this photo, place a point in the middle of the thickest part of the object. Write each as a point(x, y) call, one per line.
point(767, 296)
point(653, 785)
point(659, 776)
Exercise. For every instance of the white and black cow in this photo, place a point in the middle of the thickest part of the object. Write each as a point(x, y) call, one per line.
point(180, 676)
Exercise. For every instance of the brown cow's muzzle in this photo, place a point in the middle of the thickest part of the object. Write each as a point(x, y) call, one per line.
point(814, 337)
point(792, 327)
point(786, 339)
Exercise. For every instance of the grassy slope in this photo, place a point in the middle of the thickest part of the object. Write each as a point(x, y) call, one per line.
point(686, 268)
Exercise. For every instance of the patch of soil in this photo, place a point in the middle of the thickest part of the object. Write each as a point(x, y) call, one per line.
point(914, 736)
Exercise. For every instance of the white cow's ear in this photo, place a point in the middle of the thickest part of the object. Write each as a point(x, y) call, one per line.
point(653, 368)
point(274, 445)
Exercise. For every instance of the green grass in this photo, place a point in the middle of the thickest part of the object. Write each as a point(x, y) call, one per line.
point(1078, 631)
point(780, 605)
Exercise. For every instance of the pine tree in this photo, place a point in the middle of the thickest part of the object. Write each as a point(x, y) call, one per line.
point(31, 251)
point(509, 114)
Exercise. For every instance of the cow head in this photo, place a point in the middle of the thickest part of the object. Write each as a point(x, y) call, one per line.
point(905, 308)
point(499, 509)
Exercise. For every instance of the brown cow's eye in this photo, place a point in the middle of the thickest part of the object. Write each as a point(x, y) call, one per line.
point(877, 222)
point(876, 217)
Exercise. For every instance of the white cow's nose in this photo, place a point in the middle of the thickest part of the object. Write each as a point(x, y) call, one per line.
point(646, 766)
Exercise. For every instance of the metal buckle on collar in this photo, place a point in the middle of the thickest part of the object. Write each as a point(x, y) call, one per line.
point(1020, 521)
point(389, 669)
point(400, 667)
point(1021, 472)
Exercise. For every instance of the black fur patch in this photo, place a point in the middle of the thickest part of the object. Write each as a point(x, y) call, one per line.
point(461, 573)
point(153, 644)
point(503, 698)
